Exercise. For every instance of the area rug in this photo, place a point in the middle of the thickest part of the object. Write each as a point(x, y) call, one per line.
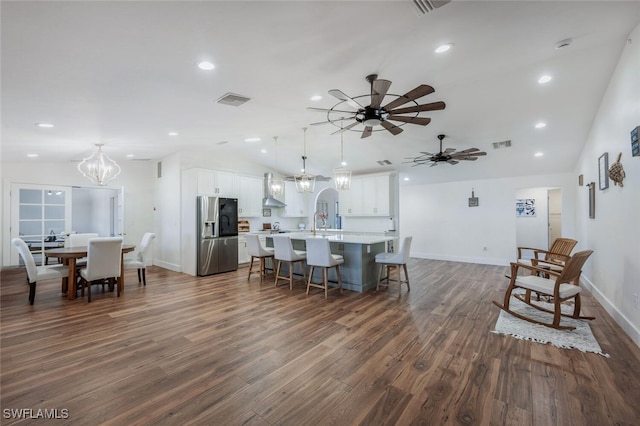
point(581, 338)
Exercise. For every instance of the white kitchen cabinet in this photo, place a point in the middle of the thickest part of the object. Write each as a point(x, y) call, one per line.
point(249, 193)
point(296, 201)
point(216, 183)
point(243, 252)
point(368, 195)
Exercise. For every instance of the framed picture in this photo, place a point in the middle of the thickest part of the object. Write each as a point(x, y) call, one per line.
point(592, 200)
point(581, 180)
point(473, 202)
point(603, 171)
point(526, 207)
point(266, 212)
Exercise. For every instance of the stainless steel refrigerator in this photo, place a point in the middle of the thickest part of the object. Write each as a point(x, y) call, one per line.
point(217, 235)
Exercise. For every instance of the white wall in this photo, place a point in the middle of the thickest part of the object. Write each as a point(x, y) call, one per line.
point(445, 227)
point(613, 271)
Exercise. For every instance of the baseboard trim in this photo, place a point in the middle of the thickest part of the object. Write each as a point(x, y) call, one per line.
point(617, 316)
point(166, 265)
point(479, 260)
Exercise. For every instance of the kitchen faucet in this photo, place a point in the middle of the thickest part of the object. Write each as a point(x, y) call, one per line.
point(315, 215)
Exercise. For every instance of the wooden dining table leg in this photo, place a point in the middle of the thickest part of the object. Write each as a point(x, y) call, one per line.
point(121, 279)
point(71, 286)
point(65, 280)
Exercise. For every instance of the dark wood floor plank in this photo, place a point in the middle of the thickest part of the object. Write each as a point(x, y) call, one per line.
point(223, 350)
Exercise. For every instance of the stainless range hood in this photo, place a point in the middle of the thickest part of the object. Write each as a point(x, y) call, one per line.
point(269, 201)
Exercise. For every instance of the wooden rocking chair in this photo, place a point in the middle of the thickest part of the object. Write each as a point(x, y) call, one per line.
point(553, 259)
point(560, 286)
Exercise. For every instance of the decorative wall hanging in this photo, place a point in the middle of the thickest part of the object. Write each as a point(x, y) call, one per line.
point(526, 207)
point(635, 143)
point(592, 200)
point(473, 201)
point(603, 166)
point(616, 172)
point(581, 180)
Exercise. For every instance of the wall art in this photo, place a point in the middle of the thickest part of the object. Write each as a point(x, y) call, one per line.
point(526, 207)
point(603, 168)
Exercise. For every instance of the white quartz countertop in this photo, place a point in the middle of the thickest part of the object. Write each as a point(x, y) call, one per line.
point(343, 238)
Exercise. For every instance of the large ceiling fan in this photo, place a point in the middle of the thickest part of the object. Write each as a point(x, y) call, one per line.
point(367, 117)
point(447, 156)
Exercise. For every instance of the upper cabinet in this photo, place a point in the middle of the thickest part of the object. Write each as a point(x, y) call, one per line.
point(368, 195)
point(216, 183)
point(296, 201)
point(249, 193)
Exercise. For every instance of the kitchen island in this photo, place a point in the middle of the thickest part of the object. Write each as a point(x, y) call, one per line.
point(359, 271)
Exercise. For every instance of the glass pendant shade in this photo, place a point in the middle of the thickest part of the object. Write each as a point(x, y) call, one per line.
point(305, 182)
point(98, 167)
point(277, 186)
point(342, 178)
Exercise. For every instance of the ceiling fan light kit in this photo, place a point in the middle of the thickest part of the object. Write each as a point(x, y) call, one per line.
point(447, 156)
point(376, 115)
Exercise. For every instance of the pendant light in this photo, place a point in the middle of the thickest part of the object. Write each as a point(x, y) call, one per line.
point(98, 167)
point(342, 175)
point(276, 185)
point(305, 182)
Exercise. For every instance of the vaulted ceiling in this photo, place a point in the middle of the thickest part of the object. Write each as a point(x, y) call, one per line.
point(124, 74)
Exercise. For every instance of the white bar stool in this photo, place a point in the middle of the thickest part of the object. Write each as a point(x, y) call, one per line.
point(284, 252)
point(319, 255)
point(395, 260)
point(257, 251)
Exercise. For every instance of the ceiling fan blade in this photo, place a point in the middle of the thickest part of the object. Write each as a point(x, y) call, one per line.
point(380, 88)
point(344, 129)
point(391, 127)
point(466, 158)
point(428, 154)
point(433, 106)
point(343, 97)
point(366, 132)
point(470, 150)
point(423, 121)
point(435, 163)
point(412, 95)
point(329, 110)
point(452, 162)
point(328, 122)
point(449, 150)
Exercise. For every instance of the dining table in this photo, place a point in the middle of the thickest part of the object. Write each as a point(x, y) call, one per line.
point(70, 255)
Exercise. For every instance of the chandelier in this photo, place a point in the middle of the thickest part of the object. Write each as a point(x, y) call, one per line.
point(305, 182)
point(98, 167)
point(342, 175)
point(276, 185)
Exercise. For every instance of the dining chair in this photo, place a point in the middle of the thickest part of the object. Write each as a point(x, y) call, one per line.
point(74, 240)
point(559, 286)
point(37, 273)
point(104, 256)
point(141, 258)
point(319, 255)
point(391, 261)
point(284, 252)
point(257, 251)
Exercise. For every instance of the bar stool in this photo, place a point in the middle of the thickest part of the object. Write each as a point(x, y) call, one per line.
point(257, 251)
point(284, 252)
point(395, 260)
point(319, 254)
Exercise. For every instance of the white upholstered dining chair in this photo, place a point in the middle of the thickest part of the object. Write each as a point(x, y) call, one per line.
point(37, 273)
point(142, 257)
point(104, 257)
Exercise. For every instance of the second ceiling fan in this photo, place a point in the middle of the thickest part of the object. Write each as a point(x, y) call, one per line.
point(449, 155)
point(373, 113)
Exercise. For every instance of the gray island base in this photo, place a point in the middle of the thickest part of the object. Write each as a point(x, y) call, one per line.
point(359, 271)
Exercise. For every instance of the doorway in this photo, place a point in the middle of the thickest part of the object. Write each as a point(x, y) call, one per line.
point(543, 223)
point(327, 203)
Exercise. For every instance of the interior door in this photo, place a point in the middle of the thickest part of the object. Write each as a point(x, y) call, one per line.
point(40, 215)
point(555, 214)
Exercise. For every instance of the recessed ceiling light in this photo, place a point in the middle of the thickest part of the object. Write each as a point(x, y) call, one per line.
point(316, 97)
point(206, 65)
point(45, 125)
point(264, 151)
point(344, 163)
point(173, 133)
point(538, 154)
point(130, 155)
point(32, 155)
point(406, 178)
point(541, 125)
point(443, 48)
point(252, 140)
point(544, 79)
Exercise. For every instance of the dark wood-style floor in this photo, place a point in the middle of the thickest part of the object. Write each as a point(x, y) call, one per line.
point(223, 351)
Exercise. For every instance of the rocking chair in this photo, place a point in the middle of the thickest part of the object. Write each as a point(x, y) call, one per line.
point(560, 286)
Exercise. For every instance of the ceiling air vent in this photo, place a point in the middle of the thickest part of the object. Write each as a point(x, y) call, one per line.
point(384, 162)
point(500, 145)
point(426, 6)
point(232, 99)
